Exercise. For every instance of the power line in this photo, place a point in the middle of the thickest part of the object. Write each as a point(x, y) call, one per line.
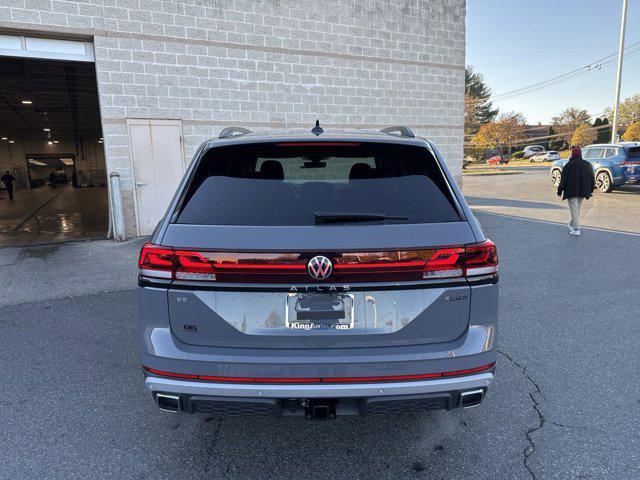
point(587, 68)
point(632, 49)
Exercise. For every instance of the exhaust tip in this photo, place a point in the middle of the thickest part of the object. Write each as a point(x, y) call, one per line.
point(167, 402)
point(471, 398)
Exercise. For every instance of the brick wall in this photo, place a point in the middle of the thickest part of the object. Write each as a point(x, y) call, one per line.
point(267, 65)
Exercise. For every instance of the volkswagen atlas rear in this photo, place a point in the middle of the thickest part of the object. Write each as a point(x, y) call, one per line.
point(318, 275)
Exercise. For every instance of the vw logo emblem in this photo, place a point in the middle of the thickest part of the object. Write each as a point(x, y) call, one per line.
point(319, 267)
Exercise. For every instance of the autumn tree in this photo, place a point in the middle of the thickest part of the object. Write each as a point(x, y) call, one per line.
point(478, 110)
point(628, 113)
point(568, 121)
point(502, 133)
point(632, 134)
point(584, 135)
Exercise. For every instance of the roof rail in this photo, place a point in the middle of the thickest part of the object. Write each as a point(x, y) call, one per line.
point(229, 132)
point(404, 131)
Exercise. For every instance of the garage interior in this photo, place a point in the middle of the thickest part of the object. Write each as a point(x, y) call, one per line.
point(51, 143)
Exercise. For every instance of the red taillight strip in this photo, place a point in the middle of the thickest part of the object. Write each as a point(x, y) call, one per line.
point(384, 378)
point(319, 144)
point(437, 262)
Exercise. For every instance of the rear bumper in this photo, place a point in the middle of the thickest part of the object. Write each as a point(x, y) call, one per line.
point(344, 399)
point(157, 384)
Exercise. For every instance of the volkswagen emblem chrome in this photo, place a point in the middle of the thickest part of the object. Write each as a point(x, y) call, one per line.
point(319, 267)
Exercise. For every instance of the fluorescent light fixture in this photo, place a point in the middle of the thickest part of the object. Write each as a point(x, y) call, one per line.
point(27, 102)
point(67, 161)
point(49, 142)
point(56, 141)
point(11, 141)
point(4, 138)
point(46, 129)
point(99, 141)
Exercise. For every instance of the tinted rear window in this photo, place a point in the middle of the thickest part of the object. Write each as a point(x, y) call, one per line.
point(633, 152)
point(286, 184)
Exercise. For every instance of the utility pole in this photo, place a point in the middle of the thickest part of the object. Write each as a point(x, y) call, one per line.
point(616, 105)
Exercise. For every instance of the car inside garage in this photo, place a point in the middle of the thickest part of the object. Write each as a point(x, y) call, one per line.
point(51, 146)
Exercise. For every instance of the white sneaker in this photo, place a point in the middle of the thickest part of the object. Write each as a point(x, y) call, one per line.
point(570, 228)
point(575, 233)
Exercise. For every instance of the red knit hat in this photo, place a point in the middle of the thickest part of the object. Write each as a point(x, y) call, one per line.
point(576, 152)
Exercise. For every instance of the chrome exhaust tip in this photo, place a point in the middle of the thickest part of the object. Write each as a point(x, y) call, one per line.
point(471, 398)
point(167, 402)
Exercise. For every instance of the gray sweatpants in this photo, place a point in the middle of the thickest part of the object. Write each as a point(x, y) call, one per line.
point(574, 207)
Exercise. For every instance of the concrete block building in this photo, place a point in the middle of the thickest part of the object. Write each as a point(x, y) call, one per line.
point(149, 80)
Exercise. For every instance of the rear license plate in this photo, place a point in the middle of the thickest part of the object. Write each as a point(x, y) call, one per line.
point(308, 311)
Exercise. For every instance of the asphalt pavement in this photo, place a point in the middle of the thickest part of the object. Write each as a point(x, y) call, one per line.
point(531, 195)
point(566, 403)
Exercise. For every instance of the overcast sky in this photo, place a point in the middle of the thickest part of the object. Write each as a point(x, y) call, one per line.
point(515, 43)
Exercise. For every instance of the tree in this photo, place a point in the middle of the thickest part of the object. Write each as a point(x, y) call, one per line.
point(584, 135)
point(478, 110)
point(500, 134)
point(553, 142)
point(628, 113)
point(568, 121)
point(477, 95)
point(632, 134)
point(603, 130)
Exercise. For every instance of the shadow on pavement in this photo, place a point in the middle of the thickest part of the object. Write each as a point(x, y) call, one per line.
point(503, 202)
point(550, 222)
point(627, 190)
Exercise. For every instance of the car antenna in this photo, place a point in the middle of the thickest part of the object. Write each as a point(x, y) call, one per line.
point(317, 130)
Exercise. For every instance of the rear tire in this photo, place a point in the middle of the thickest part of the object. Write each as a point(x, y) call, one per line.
point(603, 182)
point(555, 177)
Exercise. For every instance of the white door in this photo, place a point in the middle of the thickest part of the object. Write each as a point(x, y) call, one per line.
point(158, 167)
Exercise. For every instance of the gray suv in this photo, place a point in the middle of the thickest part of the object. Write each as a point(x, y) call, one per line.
point(318, 274)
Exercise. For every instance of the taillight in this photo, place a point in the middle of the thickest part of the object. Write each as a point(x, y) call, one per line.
point(481, 259)
point(445, 262)
point(156, 261)
point(407, 265)
point(193, 266)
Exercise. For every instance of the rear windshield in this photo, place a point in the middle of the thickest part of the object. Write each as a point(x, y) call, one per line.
point(290, 183)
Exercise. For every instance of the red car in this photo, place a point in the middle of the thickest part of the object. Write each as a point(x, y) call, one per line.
point(497, 160)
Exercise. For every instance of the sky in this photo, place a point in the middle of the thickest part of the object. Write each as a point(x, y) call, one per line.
point(515, 43)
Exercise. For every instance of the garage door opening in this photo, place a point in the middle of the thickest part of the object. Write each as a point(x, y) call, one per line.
point(51, 145)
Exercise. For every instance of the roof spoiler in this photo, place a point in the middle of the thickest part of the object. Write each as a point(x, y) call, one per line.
point(230, 132)
point(402, 130)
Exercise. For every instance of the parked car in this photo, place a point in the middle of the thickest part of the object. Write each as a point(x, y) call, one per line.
point(497, 160)
point(318, 275)
point(531, 150)
point(549, 156)
point(614, 165)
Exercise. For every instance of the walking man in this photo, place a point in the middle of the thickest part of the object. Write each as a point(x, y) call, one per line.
point(576, 183)
point(8, 179)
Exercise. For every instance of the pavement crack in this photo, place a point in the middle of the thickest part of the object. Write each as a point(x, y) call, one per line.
point(531, 447)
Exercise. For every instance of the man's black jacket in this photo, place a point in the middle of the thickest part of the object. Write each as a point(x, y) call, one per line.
point(577, 179)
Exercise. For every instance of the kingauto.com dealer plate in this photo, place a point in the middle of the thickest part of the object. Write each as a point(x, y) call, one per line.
point(324, 311)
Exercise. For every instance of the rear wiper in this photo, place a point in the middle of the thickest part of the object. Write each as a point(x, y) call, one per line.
point(339, 217)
